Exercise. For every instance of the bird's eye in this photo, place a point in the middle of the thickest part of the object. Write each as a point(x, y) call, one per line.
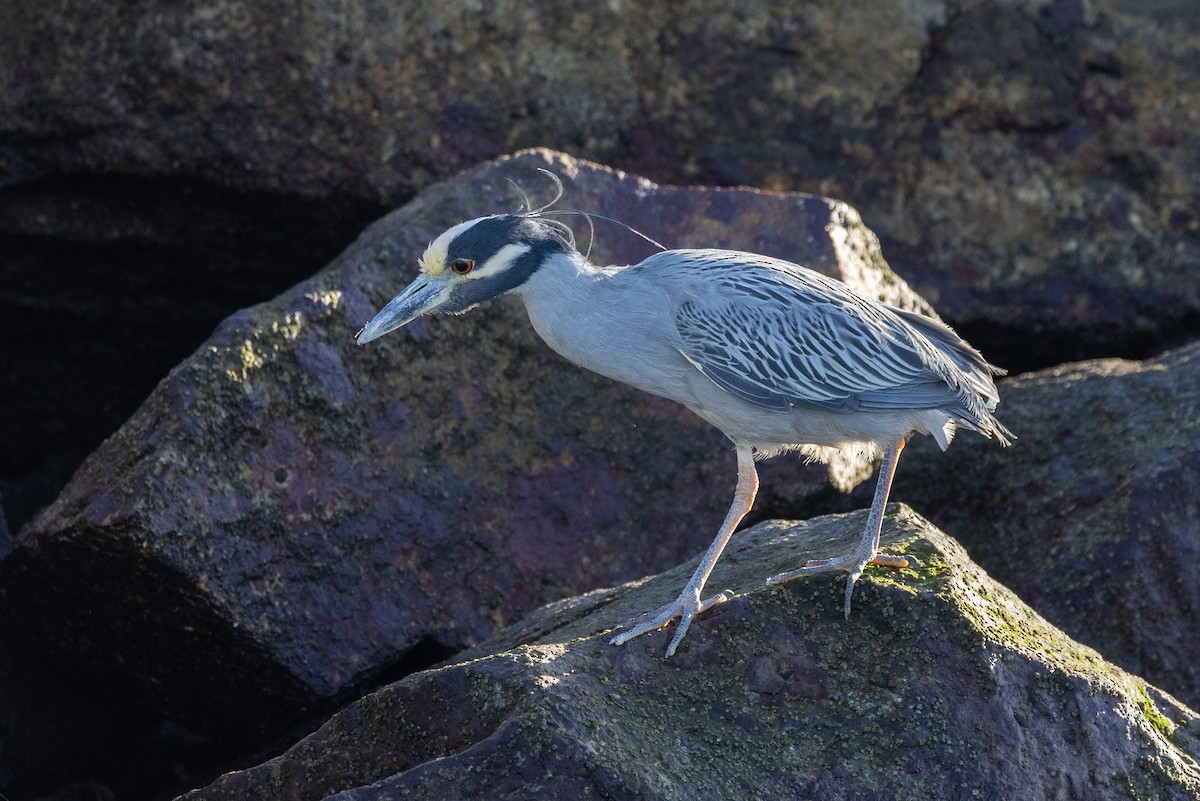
point(462, 266)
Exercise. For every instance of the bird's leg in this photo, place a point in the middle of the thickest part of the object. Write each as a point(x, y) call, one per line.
point(688, 605)
point(867, 551)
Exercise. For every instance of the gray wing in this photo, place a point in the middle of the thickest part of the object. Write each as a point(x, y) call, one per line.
point(778, 335)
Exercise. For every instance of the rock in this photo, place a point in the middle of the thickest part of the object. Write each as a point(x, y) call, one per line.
point(378, 101)
point(1035, 188)
point(1030, 166)
point(941, 685)
point(289, 518)
point(1165, 12)
point(1091, 517)
point(6, 541)
point(126, 282)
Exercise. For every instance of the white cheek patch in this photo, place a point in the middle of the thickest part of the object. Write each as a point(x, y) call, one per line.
point(503, 258)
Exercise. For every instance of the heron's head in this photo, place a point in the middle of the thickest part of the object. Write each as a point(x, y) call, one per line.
point(472, 262)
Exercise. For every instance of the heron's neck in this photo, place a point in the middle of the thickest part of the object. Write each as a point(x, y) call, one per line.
point(563, 297)
point(597, 319)
point(563, 280)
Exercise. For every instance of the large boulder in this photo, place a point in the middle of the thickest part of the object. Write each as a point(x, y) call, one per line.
point(1093, 515)
point(941, 685)
point(378, 100)
point(289, 517)
point(1030, 166)
point(1039, 180)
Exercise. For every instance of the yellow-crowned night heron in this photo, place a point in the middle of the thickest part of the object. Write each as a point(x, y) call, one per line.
point(776, 356)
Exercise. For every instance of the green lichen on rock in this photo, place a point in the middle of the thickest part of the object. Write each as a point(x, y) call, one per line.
point(1165, 726)
point(1093, 530)
point(942, 684)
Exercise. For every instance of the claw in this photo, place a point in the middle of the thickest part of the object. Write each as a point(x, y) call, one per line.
point(867, 552)
point(688, 604)
point(685, 607)
point(856, 562)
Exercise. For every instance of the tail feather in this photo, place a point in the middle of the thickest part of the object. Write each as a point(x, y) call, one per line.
point(972, 375)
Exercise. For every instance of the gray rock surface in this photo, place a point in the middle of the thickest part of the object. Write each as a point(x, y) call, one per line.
point(1030, 166)
point(1093, 515)
point(942, 685)
point(289, 516)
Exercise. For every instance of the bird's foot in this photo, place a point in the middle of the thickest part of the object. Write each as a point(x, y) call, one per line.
point(685, 607)
point(855, 562)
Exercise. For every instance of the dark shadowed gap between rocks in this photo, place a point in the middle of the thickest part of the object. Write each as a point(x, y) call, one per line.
point(106, 727)
point(1061, 346)
point(207, 761)
point(121, 278)
point(427, 653)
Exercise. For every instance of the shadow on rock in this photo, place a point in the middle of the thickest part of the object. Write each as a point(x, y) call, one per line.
point(941, 685)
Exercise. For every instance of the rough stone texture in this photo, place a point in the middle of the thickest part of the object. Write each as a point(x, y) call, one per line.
point(1031, 166)
point(124, 282)
point(942, 685)
point(1042, 159)
point(1093, 515)
point(379, 99)
point(289, 515)
point(1166, 12)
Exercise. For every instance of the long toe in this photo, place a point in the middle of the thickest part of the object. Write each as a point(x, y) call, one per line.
point(814, 566)
point(854, 562)
point(650, 621)
point(898, 562)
